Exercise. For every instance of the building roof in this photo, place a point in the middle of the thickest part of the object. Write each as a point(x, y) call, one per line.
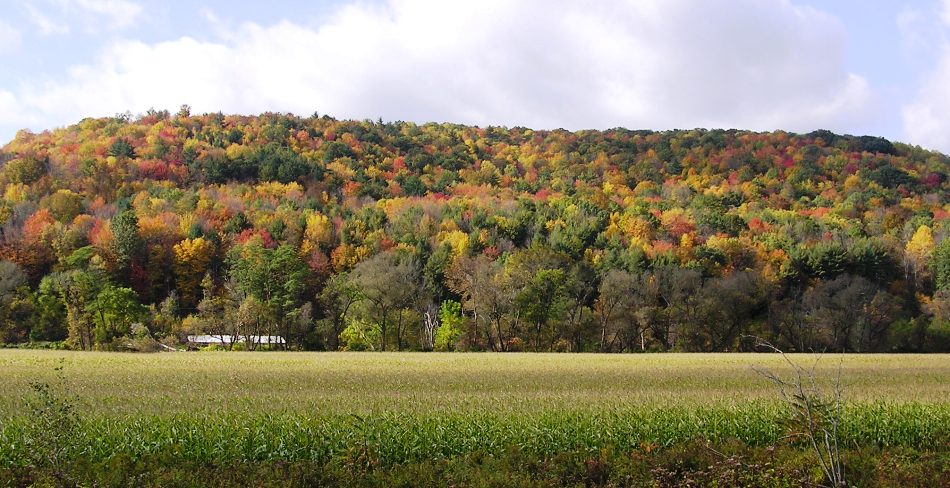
point(228, 339)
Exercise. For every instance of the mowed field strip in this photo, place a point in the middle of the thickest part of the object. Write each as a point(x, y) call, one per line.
point(122, 385)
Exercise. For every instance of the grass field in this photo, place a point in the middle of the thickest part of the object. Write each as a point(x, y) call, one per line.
point(325, 383)
point(396, 408)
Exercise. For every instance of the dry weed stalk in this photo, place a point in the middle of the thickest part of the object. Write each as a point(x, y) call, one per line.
point(816, 413)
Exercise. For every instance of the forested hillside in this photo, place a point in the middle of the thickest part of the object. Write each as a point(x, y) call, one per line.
point(372, 235)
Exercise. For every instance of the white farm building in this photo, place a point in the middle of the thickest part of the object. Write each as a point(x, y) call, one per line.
point(207, 340)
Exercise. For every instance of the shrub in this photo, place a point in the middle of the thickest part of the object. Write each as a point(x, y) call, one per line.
point(938, 336)
point(360, 335)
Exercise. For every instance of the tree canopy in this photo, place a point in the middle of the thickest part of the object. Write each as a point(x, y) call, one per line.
point(327, 231)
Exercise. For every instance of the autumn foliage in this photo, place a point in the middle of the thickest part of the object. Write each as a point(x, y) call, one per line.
point(796, 231)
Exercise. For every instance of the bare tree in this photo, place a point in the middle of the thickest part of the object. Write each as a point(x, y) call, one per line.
point(724, 308)
point(789, 325)
point(389, 283)
point(815, 411)
point(668, 301)
point(614, 306)
point(430, 324)
point(472, 279)
point(850, 311)
point(489, 295)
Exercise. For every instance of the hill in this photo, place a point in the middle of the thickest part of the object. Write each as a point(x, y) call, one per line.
point(372, 235)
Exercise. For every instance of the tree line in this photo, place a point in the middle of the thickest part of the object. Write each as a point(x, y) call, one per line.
point(360, 235)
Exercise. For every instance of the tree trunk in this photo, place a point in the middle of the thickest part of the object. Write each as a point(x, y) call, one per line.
point(537, 337)
point(399, 332)
point(430, 324)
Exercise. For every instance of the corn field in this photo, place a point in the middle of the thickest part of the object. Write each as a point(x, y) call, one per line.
point(394, 408)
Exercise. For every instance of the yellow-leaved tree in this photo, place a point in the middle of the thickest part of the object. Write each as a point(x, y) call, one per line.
point(192, 260)
point(918, 251)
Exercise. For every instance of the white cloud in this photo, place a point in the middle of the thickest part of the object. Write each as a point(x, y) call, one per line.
point(10, 38)
point(44, 23)
point(925, 117)
point(118, 14)
point(8, 108)
point(758, 64)
point(91, 15)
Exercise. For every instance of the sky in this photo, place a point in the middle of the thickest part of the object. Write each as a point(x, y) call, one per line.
point(852, 66)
